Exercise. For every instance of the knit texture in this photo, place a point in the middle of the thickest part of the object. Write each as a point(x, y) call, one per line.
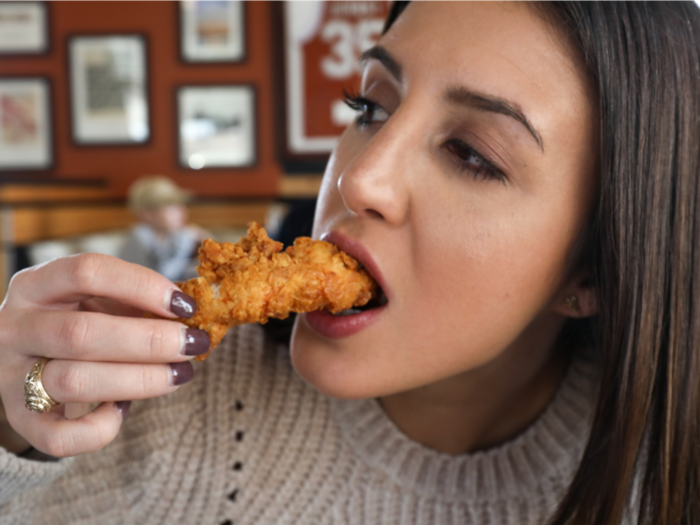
point(248, 442)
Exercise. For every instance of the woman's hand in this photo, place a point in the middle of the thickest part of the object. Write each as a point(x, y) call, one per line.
point(85, 313)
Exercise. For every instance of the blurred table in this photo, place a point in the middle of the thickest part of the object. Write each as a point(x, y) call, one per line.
point(300, 186)
point(46, 210)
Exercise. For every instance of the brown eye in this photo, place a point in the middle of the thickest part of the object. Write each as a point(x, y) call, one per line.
point(370, 112)
point(472, 161)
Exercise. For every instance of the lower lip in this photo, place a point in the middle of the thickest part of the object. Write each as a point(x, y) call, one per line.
point(339, 326)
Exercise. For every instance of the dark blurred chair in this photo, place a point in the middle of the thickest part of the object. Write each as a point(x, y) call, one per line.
point(298, 223)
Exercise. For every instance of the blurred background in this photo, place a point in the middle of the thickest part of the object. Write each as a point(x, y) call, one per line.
point(238, 104)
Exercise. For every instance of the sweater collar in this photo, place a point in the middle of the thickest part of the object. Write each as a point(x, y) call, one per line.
point(546, 454)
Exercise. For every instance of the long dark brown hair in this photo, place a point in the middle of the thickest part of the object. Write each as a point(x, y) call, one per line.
point(643, 456)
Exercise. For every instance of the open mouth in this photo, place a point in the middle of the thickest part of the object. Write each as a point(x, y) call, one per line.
point(365, 262)
point(377, 301)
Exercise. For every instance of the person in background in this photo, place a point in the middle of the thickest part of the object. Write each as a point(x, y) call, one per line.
point(162, 241)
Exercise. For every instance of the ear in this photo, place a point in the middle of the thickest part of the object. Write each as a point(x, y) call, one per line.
point(578, 299)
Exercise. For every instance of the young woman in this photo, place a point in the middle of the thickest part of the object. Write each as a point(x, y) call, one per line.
point(522, 181)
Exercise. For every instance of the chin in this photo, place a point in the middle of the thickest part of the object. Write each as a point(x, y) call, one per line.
point(328, 368)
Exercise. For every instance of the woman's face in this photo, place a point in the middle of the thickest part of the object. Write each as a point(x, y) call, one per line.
point(463, 187)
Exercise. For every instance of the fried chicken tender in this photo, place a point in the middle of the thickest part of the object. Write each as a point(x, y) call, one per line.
point(253, 280)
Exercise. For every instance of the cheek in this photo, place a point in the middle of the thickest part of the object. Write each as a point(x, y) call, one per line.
point(485, 278)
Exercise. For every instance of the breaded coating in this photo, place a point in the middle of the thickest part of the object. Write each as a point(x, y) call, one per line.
point(253, 280)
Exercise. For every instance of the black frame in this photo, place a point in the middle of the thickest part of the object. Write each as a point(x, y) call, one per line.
point(46, 31)
point(181, 55)
point(143, 37)
point(51, 142)
point(256, 127)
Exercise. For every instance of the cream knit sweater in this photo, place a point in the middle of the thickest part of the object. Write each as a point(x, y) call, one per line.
point(248, 442)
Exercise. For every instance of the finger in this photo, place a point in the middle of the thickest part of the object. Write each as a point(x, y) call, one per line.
point(80, 277)
point(110, 306)
point(90, 336)
point(52, 434)
point(87, 382)
point(77, 410)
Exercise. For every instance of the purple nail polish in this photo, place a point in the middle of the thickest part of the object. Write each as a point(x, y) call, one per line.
point(182, 305)
point(196, 342)
point(123, 407)
point(181, 373)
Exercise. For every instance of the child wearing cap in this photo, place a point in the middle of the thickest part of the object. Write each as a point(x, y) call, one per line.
point(161, 240)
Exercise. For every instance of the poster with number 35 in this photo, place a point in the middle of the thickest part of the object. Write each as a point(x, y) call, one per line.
point(322, 44)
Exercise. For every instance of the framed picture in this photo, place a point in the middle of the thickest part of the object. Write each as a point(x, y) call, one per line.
point(216, 126)
point(24, 28)
point(212, 31)
point(320, 43)
point(108, 89)
point(25, 124)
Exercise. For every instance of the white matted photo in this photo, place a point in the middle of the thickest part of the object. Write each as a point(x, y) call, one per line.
point(212, 30)
point(216, 126)
point(109, 102)
point(25, 124)
point(23, 28)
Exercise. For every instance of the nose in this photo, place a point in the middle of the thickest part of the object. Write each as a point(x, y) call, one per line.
point(374, 184)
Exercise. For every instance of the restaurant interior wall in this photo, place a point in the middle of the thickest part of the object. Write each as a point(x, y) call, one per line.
point(120, 165)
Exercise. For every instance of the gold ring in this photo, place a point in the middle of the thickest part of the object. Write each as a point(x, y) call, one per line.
point(36, 398)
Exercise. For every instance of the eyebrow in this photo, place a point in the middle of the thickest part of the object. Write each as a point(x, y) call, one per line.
point(383, 56)
point(482, 102)
point(460, 95)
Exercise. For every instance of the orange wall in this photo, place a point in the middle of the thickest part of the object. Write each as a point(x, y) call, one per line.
point(122, 164)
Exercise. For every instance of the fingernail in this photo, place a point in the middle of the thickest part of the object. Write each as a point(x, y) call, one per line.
point(182, 305)
point(123, 408)
point(181, 373)
point(196, 342)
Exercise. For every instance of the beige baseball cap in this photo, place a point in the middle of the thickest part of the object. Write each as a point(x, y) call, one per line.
point(153, 191)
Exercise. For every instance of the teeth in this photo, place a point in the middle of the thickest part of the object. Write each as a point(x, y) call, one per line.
point(349, 311)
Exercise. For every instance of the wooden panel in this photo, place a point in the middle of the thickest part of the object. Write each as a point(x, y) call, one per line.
point(15, 194)
point(300, 186)
point(32, 224)
point(230, 215)
point(35, 224)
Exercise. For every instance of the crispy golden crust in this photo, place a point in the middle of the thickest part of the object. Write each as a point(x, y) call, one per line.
point(253, 280)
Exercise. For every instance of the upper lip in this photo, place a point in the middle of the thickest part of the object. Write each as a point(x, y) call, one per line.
point(356, 250)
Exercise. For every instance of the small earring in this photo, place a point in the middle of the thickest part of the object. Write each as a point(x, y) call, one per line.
point(572, 302)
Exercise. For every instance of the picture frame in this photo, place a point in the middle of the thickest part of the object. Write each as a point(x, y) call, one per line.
point(24, 28)
point(217, 126)
point(26, 137)
point(108, 77)
point(212, 31)
point(317, 48)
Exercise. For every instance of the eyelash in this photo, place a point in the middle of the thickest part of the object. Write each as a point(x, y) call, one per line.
point(360, 104)
point(480, 167)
